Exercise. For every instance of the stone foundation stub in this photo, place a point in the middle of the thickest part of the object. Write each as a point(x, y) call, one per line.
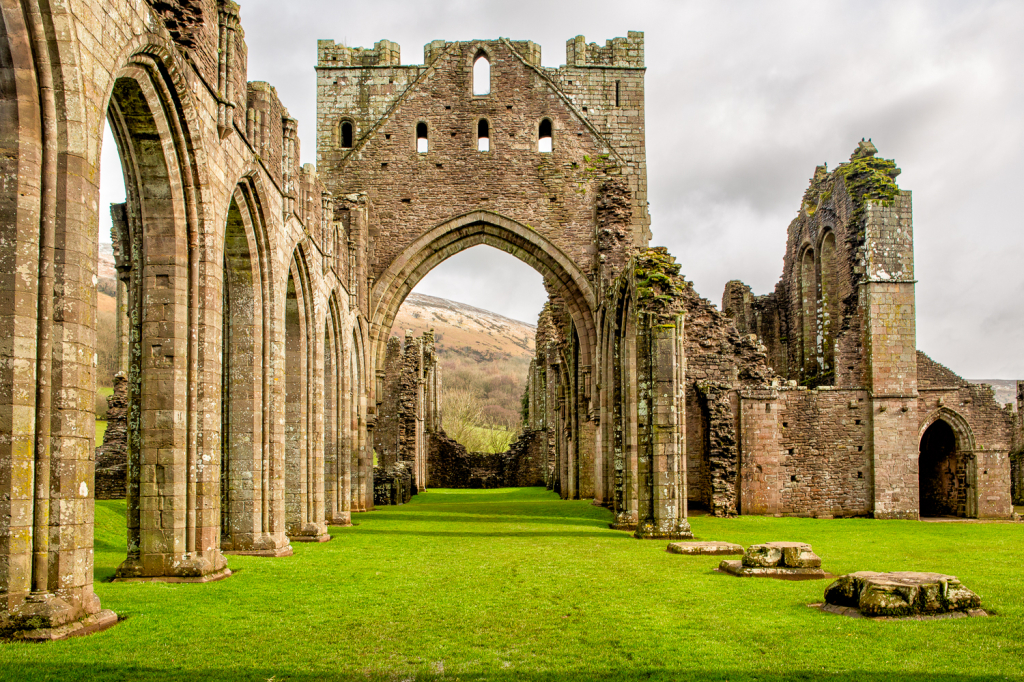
point(705, 548)
point(901, 593)
point(781, 554)
point(736, 567)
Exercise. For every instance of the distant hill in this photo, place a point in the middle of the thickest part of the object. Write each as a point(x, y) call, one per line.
point(462, 330)
point(1005, 389)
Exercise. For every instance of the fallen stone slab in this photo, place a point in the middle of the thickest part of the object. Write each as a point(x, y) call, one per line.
point(705, 548)
point(736, 567)
point(901, 594)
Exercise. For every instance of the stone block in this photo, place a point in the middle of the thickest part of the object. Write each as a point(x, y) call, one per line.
point(704, 548)
point(901, 593)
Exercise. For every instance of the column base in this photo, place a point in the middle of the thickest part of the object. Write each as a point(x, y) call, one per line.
point(310, 538)
point(678, 530)
point(97, 622)
point(344, 519)
point(199, 567)
point(623, 521)
point(279, 551)
point(208, 578)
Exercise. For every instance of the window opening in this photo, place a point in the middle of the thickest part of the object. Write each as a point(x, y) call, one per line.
point(544, 144)
point(616, 93)
point(346, 134)
point(481, 75)
point(483, 136)
point(421, 138)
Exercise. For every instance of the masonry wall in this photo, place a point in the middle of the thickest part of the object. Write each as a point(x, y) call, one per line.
point(806, 452)
point(554, 193)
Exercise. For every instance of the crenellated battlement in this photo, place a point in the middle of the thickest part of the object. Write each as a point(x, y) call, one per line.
point(384, 53)
point(626, 52)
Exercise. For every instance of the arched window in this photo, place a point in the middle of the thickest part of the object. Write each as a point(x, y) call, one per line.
point(421, 138)
point(809, 321)
point(829, 308)
point(346, 134)
point(481, 74)
point(544, 143)
point(483, 136)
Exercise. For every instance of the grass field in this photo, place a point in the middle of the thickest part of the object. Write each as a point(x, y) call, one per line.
point(101, 428)
point(514, 584)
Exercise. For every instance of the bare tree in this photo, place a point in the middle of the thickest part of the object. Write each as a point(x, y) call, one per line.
point(460, 414)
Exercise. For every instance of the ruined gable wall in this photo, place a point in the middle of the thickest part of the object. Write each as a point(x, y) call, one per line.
point(553, 194)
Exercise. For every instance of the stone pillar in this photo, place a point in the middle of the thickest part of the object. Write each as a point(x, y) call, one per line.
point(890, 344)
point(661, 462)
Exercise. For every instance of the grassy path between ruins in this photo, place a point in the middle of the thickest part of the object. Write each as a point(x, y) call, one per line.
point(516, 584)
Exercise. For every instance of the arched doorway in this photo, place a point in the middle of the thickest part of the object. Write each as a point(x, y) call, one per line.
point(575, 452)
point(946, 475)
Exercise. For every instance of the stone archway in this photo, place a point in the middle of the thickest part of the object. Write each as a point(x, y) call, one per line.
point(464, 232)
point(578, 443)
point(947, 470)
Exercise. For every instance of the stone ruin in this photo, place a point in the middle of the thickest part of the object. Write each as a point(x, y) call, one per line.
point(788, 560)
point(900, 594)
point(257, 297)
point(112, 456)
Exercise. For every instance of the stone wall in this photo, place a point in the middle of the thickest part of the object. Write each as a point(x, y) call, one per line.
point(112, 456)
point(408, 405)
point(451, 466)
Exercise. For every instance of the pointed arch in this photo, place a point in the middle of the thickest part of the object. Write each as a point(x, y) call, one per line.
point(947, 466)
point(304, 512)
point(463, 232)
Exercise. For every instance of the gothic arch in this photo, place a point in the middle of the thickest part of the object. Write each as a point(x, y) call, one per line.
point(947, 466)
point(466, 231)
point(303, 461)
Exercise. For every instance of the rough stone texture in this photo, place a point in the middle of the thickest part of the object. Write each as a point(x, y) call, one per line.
point(793, 560)
point(876, 428)
point(901, 593)
point(704, 548)
point(408, 406)
point(225, 402)
point(393, 484)
point(736, 568)
point(781, 554)
point(112, 456)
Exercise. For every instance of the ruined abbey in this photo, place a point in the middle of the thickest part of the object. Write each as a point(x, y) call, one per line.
point(264, 398)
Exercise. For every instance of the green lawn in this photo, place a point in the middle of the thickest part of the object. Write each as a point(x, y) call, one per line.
point(514, 584)
point(101, 428)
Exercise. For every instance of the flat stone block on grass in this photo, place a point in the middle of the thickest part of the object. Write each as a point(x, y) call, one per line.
point(901, 594)
point(781, 555)
point(736, 567)
point(705, 548)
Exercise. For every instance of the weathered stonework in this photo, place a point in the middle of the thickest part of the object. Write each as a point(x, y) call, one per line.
point(901, 594)
point(259, 296)
point(112, 456)
point(409, 406)
point(788, 560)
point(451, 466)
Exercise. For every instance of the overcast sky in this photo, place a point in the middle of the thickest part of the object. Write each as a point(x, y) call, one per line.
point(743, 100)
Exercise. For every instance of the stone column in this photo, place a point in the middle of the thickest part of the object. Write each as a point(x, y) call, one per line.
point(660, 462)
point(890, 337)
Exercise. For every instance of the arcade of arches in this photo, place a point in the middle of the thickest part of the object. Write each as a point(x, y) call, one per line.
point(260, 294)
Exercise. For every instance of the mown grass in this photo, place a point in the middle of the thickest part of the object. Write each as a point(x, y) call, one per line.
point(101, 428)
point(514, 584)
